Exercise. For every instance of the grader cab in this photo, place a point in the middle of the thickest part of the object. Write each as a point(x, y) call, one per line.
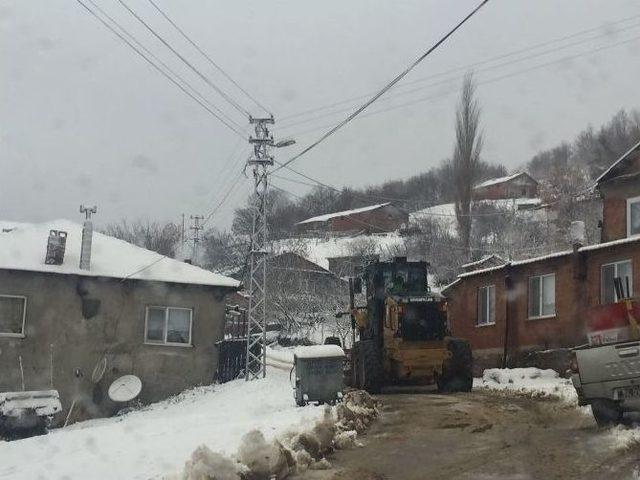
point(402, 334)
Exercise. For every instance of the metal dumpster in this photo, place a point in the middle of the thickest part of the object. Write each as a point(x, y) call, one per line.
point(318, 374)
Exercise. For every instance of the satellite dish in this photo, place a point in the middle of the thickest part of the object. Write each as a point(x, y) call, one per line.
point(98, 370)
point(125, 388)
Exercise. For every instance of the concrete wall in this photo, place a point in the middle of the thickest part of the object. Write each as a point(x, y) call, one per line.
point(55, 327)
point(578, 279)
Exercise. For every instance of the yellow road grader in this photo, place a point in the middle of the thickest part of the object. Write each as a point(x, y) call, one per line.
point(401, 336)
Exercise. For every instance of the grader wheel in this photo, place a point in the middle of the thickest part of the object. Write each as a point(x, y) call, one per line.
point(457, 372)
point(368, 369)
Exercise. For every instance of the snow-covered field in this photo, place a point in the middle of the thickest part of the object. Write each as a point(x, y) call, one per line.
point(157, 441)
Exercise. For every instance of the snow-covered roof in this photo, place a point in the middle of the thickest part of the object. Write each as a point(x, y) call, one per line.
point(615, 164)
point(345, 213)
point(319, 250)
point(484, 259)
point(483, 270)
point(495, 181)
point(23, 247)
point(612, 243)
point(517, 263)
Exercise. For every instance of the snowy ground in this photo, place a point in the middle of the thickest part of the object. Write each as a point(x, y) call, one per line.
point(158, 440)
point(533, 381)
point(539, 383)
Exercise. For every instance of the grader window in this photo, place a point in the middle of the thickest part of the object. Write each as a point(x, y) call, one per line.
point(422, 321)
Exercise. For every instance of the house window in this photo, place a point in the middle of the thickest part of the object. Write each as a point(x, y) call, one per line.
point(542, 296)
point(12, 315)
point(486, 305)
point(609, 272)
point(633, 216)
point(168, 325)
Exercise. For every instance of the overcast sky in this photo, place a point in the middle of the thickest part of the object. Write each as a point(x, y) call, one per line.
point(83, 119)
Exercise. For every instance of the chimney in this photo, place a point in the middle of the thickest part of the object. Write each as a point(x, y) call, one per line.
point(55, 247)
point(87, 237)
point(577, 234)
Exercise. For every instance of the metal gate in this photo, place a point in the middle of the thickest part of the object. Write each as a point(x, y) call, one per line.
point(232, 358)
point(232, 351)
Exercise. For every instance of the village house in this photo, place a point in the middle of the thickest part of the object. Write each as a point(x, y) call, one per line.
point(346, 266)
point(380, 218)
point(518, 185)
point(128, 311)
point(510, 309)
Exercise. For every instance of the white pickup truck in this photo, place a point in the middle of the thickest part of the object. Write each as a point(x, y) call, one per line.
point(606, 373)
point(607, 377)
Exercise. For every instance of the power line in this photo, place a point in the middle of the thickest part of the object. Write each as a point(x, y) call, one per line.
point(448, 81)
point(206, 79)
point(225, 174)
point(363, 196)
point(317, 183)
point(385, 88)
point(204, 54)
point(166, 67)
point(485, 82)
point(168, 77)
point(224, 198)
point(482, 62)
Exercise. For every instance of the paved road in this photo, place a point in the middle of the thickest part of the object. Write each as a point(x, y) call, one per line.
point(483, 436)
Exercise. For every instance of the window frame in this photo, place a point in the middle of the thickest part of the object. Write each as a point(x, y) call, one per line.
point(615, 274)
point(165, 327)
point(631, 201)
point(489, 322)
point(541, 298)
point(24, 317)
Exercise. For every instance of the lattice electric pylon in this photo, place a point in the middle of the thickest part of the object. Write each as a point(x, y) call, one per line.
point(260, 160)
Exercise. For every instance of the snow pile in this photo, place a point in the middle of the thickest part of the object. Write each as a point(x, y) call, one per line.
point(294, 452)
point(530, 381)
point(356, 411)
point(622, 438)
point(280, 358)
point(157, 440)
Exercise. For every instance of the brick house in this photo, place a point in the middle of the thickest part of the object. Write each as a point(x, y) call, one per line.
point(518, 185)
point(380, 218)
point(619, 186)
point(510, 310)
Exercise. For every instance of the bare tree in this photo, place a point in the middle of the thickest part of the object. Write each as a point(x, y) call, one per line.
point(466, 157)
point(303, 296)
point(158, 237)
